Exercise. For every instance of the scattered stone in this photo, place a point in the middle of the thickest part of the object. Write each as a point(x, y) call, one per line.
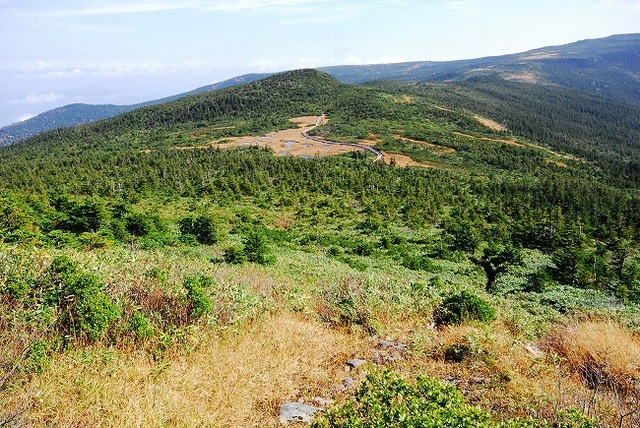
point(392, 346)
point(297, 412)
point(479, 380)
point(452, 380)
point(385, 344)
point(348, 382)
point(322, 402)
point(356, 362)
point(534, 351)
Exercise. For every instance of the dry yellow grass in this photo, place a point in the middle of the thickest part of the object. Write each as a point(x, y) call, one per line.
point(603, 353)
point(232, 381)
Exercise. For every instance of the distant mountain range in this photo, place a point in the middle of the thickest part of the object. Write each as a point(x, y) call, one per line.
point(609, 67)
point(77, 114)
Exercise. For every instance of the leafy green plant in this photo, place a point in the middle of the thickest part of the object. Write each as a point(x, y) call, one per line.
point(197, 294)
point(256, 249)
point(202, 227)
point(140, 326)
point(234, 255)
point(386, 399)
point(463, 307)
point(84, 306)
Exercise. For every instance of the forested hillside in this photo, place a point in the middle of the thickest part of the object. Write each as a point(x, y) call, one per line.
point(496, 282)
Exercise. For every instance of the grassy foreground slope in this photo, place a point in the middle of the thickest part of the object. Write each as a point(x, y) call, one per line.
point(147, 285)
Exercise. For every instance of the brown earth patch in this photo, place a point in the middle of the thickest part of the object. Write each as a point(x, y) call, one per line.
point(541, 55)
point(521, 77)
point(510, 142)
point(489, 123)
point(444, 109)
point(532, 146)
point(287, 142)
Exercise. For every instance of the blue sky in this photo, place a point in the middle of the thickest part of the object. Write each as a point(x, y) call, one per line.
point(57, 52)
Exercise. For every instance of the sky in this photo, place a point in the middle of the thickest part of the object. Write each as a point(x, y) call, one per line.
point(58, 52)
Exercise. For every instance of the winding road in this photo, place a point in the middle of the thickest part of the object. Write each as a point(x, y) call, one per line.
point(305, 134)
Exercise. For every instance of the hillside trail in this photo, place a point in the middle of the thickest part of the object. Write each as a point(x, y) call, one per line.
point(322, 119)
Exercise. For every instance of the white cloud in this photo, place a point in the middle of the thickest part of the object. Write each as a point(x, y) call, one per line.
point(43, 98)
point(464, 6)
point(146, 6)
point(624, 4)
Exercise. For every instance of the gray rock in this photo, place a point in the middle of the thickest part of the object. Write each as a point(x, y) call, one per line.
point(534, 351)
point(297, 412)
point(356, 362)
point(385, 344)
point(348, 382)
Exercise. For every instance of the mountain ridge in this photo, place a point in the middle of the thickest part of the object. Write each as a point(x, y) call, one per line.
point(608, 67)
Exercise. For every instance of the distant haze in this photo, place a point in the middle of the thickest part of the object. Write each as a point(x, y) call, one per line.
point(124, 52)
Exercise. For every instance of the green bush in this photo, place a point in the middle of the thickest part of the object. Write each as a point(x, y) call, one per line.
point(256, 249)
point(84, 306)
point(197, 295)
point(140, 326)
point(139, 224)
point(463, 307)
point(95, 312)
point(234, 255)
point(386, 399)
point(420, 262)
point(201, 227)
point(38, 357)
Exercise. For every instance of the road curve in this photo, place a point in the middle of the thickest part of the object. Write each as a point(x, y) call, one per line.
point(305, 134)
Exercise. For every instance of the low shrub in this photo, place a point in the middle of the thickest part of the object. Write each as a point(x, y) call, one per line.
point(84, 307)
point(201, 227)
point(256, 249)
point(386, 399)
point(140, 326)
point(464, 307)
point(234, 255)
point(197, 294)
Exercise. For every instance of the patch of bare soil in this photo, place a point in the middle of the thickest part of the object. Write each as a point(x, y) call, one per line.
point(444, 109)
point(521, 77)
point(403, 160)
point(540, 55)
point(510, 142)
point(287, 142)
point(489, 123)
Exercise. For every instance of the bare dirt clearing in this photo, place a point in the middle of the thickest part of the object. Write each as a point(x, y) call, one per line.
point(291, 142)
point(288, 142)
point(489, 123)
